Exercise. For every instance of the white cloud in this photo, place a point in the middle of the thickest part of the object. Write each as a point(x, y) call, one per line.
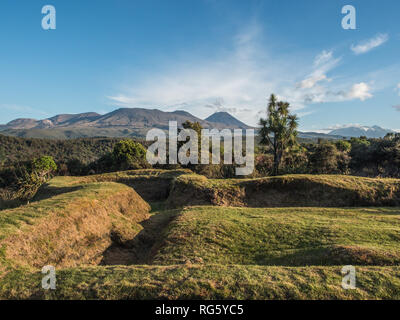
point(398, 88)
point(339, 126)
point(343, 126)
point(370, 44)
point(314, 88)
point(240, 80)
point(360, 91)
point(311, 81)
point(323, 57)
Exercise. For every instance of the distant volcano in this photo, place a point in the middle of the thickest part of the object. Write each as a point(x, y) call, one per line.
point(227, 119)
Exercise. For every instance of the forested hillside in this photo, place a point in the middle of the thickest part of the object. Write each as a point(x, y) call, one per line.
point(86, 150)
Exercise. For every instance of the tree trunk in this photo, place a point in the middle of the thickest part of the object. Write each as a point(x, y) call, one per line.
point(277, 160)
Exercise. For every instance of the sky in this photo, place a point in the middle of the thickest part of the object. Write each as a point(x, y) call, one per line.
point(203, 56)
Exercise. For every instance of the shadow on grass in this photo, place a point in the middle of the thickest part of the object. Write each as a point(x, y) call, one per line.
point(143, 247)
point(47, 192)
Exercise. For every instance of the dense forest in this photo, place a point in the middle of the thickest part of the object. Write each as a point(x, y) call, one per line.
point(86, 150)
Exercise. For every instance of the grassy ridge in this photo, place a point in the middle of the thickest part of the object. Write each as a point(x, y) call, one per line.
point(150, 184)
point(73, 226)
point(289, 190)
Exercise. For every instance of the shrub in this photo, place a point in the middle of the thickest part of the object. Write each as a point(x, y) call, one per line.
point(128, 154)
point(44, 166)
point(343, 145)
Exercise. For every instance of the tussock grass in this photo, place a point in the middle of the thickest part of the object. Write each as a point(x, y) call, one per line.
point(289, 190)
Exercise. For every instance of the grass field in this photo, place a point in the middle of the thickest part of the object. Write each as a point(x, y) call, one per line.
point(283, 236)
point(106, 243)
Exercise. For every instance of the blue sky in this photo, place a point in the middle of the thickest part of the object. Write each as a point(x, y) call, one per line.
point(203, 56)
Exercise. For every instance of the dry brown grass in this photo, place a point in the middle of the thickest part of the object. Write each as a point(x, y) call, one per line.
point(73, 228)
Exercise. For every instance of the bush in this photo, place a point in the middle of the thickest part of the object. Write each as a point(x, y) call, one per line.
point(128, 154)
point(343, 145)
point(44, 166)
point(323, 159)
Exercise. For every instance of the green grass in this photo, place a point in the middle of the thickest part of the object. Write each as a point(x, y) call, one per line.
point(151, 184)
point(283, 236)
point(205, 282)
point(203, 252)
point(288, 190)
point(69, 224)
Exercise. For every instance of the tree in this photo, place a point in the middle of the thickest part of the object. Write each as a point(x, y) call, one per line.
point(343, 145)
point(128, 154)
point(34, 175)
point(324, 159)
point(279, 130)
point(44, 166)
point(196, 126)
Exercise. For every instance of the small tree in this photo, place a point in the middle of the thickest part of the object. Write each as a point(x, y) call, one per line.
point(196, 126)
point(279, 130)
point(343, 145)
point(34, 176)
point(324, 159)
point(128, 154)
point(44, 166)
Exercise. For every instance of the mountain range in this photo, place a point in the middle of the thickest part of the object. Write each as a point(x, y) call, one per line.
point(135, 122)
point(358, 131)
point(123, 122)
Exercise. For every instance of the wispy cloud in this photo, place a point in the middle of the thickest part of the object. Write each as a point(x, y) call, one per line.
point(319, 88)
point(370, 44)
point(312, 81)
point(328, 129)
point(398, 88)
point(343, 126)
point(240, 80)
